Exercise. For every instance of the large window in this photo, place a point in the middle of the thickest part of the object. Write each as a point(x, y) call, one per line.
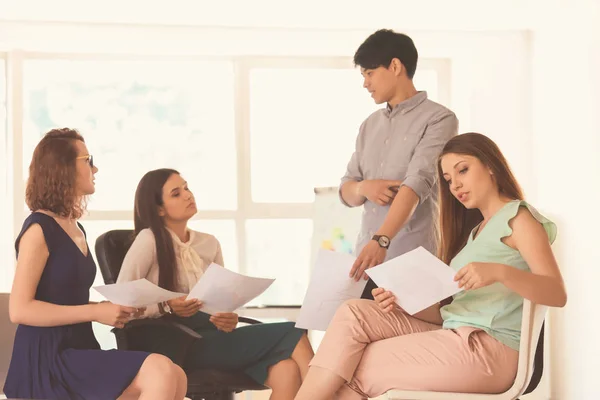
point(253, 137)
point(303, 125)
point(138, 116)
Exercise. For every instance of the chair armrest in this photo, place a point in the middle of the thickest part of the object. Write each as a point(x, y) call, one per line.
point(250, 321)
point(151, 322)
point(185, 335)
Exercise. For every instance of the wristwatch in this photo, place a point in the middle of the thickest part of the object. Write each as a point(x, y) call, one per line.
point(382, 240)
point(164, 308)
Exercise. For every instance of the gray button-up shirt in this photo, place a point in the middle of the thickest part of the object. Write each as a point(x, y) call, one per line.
point(403, 143)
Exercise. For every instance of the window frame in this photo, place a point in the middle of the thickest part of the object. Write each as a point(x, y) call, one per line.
point(247, 209)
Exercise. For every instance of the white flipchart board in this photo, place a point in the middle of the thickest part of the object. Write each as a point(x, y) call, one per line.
point(335, 226)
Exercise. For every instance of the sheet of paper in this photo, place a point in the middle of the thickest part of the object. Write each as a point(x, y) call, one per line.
point(418, 279)
point(138, 293)
point(329, 287)
point(222, 290)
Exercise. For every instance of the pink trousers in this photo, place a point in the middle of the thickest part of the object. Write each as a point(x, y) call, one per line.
point(376, 352)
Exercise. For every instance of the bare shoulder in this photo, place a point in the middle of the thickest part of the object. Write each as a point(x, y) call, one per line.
point(526, 227)
point(33, 240)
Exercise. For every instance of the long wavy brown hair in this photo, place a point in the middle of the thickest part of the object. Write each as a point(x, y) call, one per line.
point(53, 175)
point(456, 221)
point(148, 200)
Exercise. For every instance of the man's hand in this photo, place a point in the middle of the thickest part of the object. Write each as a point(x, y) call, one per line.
point(379, 191)
point(371, 255)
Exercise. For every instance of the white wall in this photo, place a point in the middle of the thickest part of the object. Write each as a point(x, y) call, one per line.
point(566, 140)
point(309, 14)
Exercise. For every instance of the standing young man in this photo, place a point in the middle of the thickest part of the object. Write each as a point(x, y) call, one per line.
point(393, 169)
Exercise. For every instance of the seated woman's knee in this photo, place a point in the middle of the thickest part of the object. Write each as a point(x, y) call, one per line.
point(354, 305)
point(283, 371)
point(160, 366)
point(180, 373)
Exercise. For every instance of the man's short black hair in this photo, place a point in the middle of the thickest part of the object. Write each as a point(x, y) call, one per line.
point(379, 49)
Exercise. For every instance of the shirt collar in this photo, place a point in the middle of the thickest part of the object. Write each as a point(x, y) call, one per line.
point(406, 105)
point(178, 241)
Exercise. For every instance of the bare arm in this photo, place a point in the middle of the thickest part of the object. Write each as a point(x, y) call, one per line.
point(401, 210)
point(23, 307)
point(544, 284)
point(431, 314)
point(350, 194)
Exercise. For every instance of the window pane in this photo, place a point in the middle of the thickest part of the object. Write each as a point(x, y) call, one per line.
point(7, 254)
point(137, 116)
point(306, 141)
point(224, 231)
point(280, 249)
point(427, 79)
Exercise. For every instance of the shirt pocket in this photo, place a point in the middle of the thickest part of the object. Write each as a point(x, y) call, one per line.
point(404, 145)
point(412, 137)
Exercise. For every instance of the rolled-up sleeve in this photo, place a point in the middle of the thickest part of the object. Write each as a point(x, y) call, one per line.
point(353, 170)
point(421, 175)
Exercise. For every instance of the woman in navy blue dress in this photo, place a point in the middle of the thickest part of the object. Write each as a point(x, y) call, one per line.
point(55, 354)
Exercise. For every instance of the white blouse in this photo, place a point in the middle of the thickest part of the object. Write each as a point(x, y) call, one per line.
point(192, 257)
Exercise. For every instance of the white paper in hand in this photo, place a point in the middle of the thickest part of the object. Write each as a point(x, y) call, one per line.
point(138, 293)
point(330, 286)
point(221, 290)
point(418, 279)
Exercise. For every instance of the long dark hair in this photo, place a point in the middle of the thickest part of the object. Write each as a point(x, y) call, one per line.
point(148, 200)
point(456, 221)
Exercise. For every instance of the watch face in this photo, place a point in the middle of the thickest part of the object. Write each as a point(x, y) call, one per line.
point(384, 241)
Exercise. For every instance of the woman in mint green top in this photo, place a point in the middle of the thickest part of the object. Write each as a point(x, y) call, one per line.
point(495, 308)
point(500, 247)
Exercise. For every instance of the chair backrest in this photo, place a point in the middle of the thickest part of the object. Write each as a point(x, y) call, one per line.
point(111, 248)
point(531, 334)
point(538, 363)
point(7, 338)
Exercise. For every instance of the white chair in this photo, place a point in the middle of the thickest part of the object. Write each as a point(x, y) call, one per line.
point(530, 357)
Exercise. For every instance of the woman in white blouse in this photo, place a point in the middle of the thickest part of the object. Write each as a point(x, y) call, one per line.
point(174, 257)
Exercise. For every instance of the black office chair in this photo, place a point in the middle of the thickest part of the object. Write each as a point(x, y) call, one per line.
point(207, 384)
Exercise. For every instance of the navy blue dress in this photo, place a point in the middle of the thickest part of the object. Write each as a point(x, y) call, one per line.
point(66, 362)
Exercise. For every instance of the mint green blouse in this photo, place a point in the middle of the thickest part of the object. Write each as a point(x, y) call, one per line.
point(495, 309)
